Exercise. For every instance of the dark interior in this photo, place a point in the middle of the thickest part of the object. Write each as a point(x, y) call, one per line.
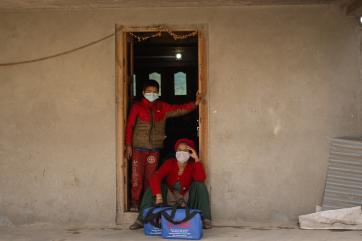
point(158, 55)
point(178, 79)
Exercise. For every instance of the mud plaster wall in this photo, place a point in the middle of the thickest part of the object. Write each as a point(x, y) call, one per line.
point(282, 81)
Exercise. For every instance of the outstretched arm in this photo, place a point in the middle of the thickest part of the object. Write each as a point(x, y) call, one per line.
point(183, 109)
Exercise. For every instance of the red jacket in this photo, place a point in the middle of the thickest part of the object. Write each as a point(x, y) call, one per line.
point(146, 122)
point(194, 171)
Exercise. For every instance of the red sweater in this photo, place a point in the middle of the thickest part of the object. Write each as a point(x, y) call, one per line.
point(194, 171)
point(146, 122)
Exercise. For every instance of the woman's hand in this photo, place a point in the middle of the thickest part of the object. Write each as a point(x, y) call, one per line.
point(128, 152)
point(159, 199)
point(193, 153)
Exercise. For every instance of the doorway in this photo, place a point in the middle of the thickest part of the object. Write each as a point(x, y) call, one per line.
point(174, 65)
point(175, 58)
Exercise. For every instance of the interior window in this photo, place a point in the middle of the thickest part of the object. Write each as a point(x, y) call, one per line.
point(156, 76)
point(134, 85)
point(180, 83)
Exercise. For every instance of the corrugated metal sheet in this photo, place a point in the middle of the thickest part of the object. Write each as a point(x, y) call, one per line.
point(344, 179)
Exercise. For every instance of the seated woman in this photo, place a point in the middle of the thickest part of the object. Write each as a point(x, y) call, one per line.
point(184, 179)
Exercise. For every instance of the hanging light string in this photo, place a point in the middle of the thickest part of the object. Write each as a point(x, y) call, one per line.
point(158, 34)
point(144, 38)
point(180, 36)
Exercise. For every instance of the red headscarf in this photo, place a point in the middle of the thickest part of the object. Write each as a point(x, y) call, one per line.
point(188, 142)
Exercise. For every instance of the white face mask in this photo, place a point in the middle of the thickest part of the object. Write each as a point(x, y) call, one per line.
point(182, 156)
point(151, 97)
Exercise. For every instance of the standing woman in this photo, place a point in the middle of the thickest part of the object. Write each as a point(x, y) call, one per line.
point(185, 176)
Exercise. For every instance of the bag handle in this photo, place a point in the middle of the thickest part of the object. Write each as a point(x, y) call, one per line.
point(188, 214)
point(152, 217)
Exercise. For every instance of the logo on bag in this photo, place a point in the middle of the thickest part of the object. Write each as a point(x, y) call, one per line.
point(181, 225)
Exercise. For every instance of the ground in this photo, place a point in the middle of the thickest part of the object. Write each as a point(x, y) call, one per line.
point(119, 233)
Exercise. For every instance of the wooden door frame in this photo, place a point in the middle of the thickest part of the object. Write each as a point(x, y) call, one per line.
point(122, 215)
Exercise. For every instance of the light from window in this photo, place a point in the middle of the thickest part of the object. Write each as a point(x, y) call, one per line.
point(180, 83)
point(156, 76)
point(134, 85)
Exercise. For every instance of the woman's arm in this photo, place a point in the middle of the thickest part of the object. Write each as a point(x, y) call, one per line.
point(129, 130)
point(178, 110)
point(198, 172)
point(160, 174)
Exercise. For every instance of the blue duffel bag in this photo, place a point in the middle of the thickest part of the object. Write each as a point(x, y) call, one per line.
point(181, 223)
point(152, 219)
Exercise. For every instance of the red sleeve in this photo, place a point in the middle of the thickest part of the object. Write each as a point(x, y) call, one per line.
point(161, 173)
point(198, 172)
point(130, 124)
point(188, 106)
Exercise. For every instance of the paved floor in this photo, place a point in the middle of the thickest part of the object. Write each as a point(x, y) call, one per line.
point(119, 233)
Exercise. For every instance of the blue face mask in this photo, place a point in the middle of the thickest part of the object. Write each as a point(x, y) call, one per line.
point(151, 97)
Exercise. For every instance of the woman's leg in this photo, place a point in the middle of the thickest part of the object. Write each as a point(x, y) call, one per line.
point(138, 167)
point(150, 167)
point(199, 199)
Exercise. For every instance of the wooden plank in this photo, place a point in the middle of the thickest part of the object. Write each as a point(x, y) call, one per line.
point(156, 28)
point(119, 123)
point(124, 120)
point(132, 61)
point(203, 112)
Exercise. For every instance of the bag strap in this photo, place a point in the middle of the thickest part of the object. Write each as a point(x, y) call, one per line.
point(153, 217)
point(188, 214)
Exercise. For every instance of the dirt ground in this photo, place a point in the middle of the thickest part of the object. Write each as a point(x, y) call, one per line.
point(118, 233)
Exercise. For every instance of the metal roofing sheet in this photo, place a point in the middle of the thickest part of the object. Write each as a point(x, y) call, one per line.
point(344, 178)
